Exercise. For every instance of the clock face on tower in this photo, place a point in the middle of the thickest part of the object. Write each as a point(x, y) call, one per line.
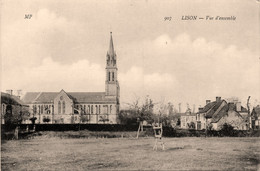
point(61, 98)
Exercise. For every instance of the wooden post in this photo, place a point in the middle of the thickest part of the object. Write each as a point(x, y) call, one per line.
point(16, 132)
point(138, 131)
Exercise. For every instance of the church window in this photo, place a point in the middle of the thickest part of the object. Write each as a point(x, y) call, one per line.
point(59, 107)
point(96, 109)
point(41, 109)
point(110, 108)
point(91, 109)
point(113, 76)
point(84, 109)
point(34, 109)
point(99, 109)
point(63, 107)
point(108, 76)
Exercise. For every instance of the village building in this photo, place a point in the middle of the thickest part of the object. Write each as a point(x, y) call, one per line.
point(229, 114)
point(188, 120)
point(218, 112)
point(256, 117)
point(80, 107)
point(13, 110)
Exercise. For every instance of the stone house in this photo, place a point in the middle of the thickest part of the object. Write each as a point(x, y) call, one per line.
point(231, 115)
point(218, 112)
point(188, 120)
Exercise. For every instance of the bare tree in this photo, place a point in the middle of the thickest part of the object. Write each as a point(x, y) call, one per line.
point(249, 116)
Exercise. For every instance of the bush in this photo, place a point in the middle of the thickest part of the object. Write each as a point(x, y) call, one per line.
point(227, 130)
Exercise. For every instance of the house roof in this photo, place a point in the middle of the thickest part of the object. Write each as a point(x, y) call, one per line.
point(256, 111)
point(77, 97)
point(243, 109)
point(207, 107)
point(223, 112)
point(11, 99)
point(211, 112)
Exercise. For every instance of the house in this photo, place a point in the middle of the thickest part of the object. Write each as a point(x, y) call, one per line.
point(188, 120)
point(12, 109)
point(80, 107)
point(229, 114)
point(218, 112)
point(256, 117)
point(204, 115)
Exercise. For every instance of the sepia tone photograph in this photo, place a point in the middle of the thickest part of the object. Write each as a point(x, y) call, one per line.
point(130, 85)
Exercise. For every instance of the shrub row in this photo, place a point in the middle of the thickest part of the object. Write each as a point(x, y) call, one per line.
point(73, 127)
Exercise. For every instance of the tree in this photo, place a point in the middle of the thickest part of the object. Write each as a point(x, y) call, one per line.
point(227, 130)
point(15, 114)
point(140, 113)
point(249, 116)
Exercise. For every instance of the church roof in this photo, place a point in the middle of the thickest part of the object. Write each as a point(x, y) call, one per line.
point(77, 97)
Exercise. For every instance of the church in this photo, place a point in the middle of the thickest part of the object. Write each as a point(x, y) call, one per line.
point(79, 107)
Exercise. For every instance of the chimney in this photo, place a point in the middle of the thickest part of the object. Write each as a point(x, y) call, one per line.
point(207, 101)
point(231, 106)
point(9, 92)
point(218, 99)
point(238, 106)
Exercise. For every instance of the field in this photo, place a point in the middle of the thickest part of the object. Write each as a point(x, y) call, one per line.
point(191, 153)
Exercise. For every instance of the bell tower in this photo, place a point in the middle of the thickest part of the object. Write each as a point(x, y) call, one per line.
point(112, 85)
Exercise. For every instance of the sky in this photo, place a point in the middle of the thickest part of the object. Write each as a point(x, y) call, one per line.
point(64, 45)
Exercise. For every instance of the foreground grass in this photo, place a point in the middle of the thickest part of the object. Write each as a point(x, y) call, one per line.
point(53, 153)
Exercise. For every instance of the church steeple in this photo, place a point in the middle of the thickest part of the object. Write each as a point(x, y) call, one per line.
point(112, 85)
point(111, 46)
point(111, 55)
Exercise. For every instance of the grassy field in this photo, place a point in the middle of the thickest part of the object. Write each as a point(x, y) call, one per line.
point(53, 153)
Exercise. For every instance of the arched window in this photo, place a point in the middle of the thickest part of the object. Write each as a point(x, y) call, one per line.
point(113, 76)
point(110, 108)
point(91, 109)
point(85, 109)
point(59, 107)
point(96, 109)
point(99, 109)
point(63, 107)
point(108, 76)
point(34, 109)
point(41, 109)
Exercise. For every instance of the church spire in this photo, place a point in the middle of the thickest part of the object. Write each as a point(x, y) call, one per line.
point(111, 46)
point(111, 55)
